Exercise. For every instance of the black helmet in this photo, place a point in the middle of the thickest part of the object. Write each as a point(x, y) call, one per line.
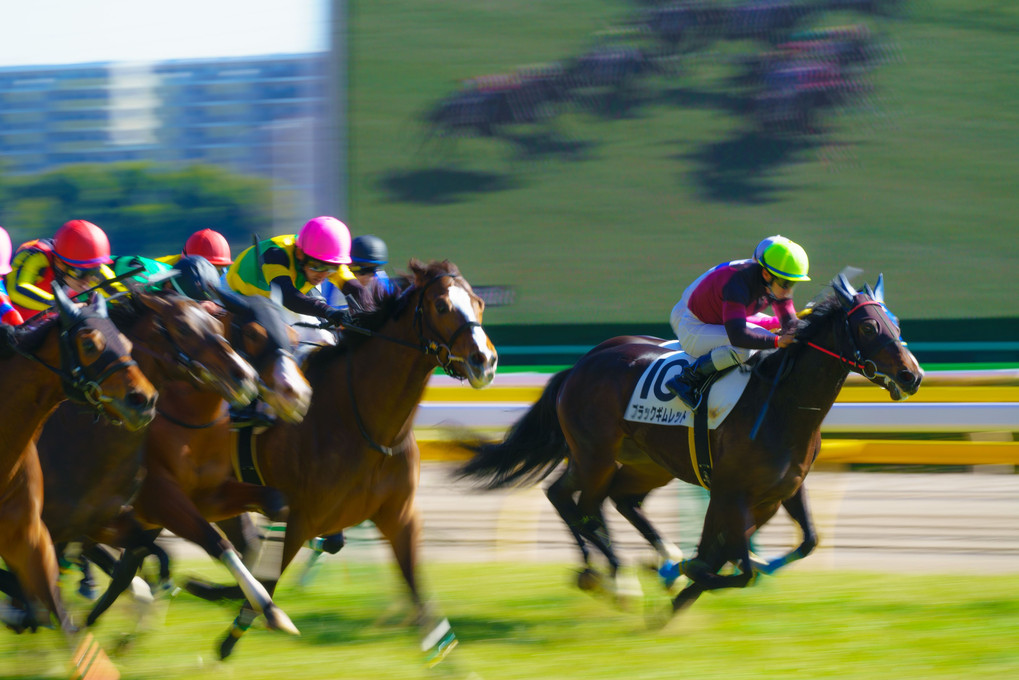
point(197, 278)
point(369, 249)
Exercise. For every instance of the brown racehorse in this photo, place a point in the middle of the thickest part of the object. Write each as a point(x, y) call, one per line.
point(191, 417)
point(354, 457)
point(580, 416)
point(79, 354)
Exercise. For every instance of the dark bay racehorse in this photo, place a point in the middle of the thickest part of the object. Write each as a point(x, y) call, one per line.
point(179, 486)
point(354, 457)
point(77, 353)
point(580, 416)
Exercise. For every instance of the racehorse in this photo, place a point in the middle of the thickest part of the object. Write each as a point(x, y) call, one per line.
point(354, 456)
point(759, 462)
point(77, 354)
point(180, 487)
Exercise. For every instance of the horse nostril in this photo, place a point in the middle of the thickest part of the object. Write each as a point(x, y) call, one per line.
point(907, 377)
point(140, 401)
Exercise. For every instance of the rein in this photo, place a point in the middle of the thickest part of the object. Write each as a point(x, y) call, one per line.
point(77, 385)
point(426, 347)
point(867, 368)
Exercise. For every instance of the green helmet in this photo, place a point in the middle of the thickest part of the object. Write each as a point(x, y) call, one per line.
point(783, 258)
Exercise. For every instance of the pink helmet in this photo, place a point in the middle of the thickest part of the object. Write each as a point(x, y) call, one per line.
point(326, 239)
point(5, 252)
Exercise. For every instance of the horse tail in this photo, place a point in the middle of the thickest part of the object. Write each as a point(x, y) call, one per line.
point(531, 449)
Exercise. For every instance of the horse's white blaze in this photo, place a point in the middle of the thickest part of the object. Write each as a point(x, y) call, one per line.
point(292, 395)
point(462, 302)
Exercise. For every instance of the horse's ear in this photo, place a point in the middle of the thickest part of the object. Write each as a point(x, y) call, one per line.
point(879, 289)
point(98, 303)
point(69, 313)
point(844, 290)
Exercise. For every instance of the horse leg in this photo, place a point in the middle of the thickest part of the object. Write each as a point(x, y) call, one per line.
point(232, 498)
point(560, 494)
point(163, 502)
point(629, 488)
point(29, 553)
point(796, 506)
point(726, 526)
point(297, 533)
point(399, 521)
point(122, 571)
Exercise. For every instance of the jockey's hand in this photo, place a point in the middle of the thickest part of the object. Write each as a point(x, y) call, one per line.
point(339, 317)
point(786, 339)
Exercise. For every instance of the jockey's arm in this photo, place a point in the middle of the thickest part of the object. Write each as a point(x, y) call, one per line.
point(298, 302)
point(28, 269)
point(742, 335)
point(356, 294)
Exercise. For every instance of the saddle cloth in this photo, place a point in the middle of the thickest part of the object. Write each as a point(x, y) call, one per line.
point(652, 403)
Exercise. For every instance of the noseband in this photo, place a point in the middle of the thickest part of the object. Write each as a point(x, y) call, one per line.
point(437, 349)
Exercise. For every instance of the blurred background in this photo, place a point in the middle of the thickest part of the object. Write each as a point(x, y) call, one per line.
point(586, 158)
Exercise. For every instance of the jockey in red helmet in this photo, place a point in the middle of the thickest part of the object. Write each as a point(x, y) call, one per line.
point(77, 257)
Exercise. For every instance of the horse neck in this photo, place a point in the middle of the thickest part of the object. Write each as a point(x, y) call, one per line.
point(144, 336)
point(814, 381)
point(31, 392)
point(399, 374)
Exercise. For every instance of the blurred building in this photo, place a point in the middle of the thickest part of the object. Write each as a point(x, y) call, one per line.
point(255, 115)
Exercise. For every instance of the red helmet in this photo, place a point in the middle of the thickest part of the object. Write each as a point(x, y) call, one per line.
point(211, 245)
point(82, 244)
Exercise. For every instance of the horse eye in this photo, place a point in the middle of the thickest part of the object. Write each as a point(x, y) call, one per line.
point(869, 328)
point(89, 345)
point(441, 307)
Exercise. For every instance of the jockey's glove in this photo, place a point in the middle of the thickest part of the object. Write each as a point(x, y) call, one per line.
point(339, 317)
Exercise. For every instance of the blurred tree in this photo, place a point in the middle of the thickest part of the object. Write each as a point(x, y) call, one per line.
point(145, 208)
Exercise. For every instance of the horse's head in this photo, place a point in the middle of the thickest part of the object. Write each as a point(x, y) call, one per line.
point(190, 340)
point(263, 337)
point(448, 321)
point(96, 364)
point(879, 353)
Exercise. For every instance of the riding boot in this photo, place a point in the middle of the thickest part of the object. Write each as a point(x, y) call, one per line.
point(688, 384)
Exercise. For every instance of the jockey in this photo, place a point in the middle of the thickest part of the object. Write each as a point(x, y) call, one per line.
point(8, 314)
point(196, 277)
point(296, 265)
point(368, 254)
point(77, 257)
point(210, 244)
point(719, 319)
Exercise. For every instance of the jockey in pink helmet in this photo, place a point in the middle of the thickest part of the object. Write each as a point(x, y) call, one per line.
point(296, 265)
point(8, 314)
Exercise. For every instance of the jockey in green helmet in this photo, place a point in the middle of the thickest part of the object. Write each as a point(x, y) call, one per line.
point(720, 317)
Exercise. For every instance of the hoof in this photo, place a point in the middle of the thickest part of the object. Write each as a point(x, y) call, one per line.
point(669, 573)
point(589, 580)
point(227, 646)
point(439, 650)
point(276, 619)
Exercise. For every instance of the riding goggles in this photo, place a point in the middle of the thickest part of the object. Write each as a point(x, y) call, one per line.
point(321, 267)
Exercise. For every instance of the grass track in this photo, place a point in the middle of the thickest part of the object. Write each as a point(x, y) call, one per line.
point(526, 621)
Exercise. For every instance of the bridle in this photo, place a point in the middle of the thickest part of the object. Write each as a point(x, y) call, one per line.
point(83, 385)
point(423, 345)
point(858, 363)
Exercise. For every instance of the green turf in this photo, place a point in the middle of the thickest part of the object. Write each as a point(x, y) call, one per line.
point(920, 183)
point(526, 621)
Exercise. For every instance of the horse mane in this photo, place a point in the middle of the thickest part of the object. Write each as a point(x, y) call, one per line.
point(387, 306)
point(128, 310)
point(808, 328)
point(30, 335)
